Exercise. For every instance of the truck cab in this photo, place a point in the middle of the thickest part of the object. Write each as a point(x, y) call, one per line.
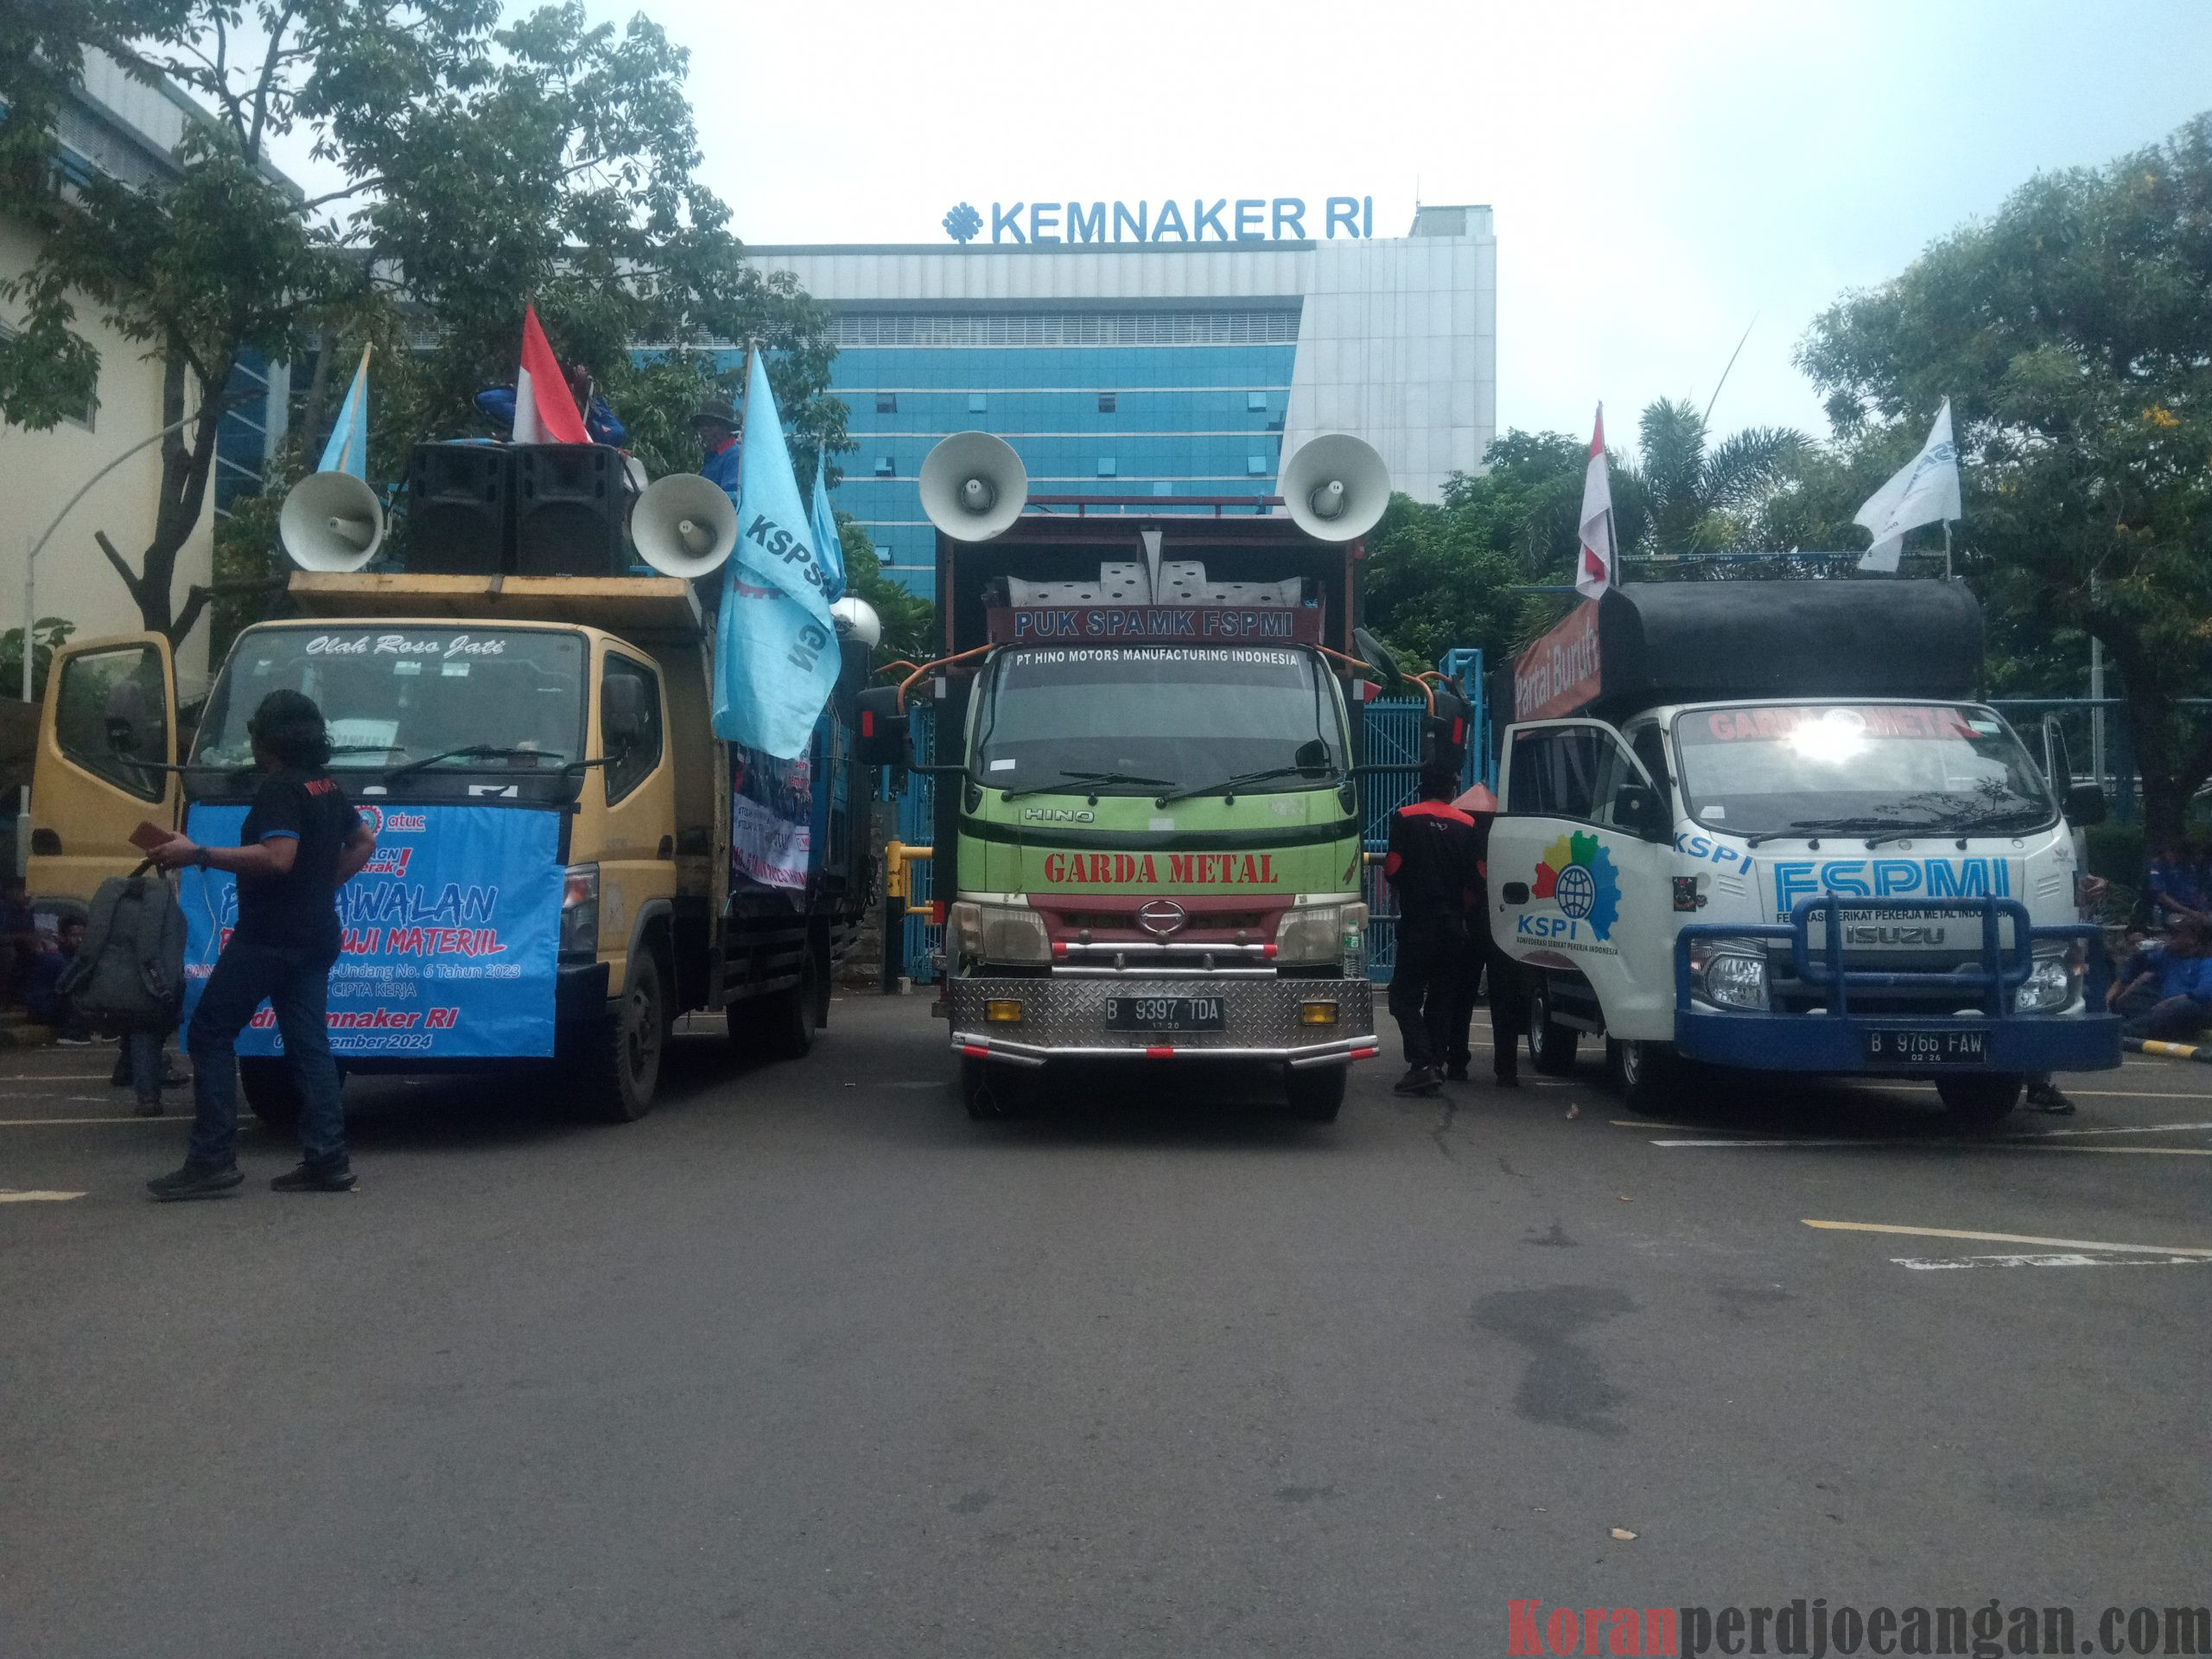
point(1855, 869)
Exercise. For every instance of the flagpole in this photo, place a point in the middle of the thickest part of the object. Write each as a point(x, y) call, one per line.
point(1947, 549)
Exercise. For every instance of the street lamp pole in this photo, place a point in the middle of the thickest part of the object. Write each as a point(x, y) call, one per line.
point(30, 612)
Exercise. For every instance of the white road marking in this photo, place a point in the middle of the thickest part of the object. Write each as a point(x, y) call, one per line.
point(2025, 1136)
point(8, 1196)
point(1949, 1144)
point(2009, 1238)
point(47, 1123)
point(1937, 1263)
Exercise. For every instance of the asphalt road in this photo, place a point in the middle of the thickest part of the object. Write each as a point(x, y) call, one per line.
point(806, 1363)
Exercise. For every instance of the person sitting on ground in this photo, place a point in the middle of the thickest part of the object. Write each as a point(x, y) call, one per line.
point(2169, 998)
point(2177, 887)
point(43, 998)
point(2043, 1093)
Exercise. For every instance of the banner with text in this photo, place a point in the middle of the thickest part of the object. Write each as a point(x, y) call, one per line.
point(452, 933)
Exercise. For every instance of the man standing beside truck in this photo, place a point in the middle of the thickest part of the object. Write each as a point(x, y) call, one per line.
point(1432, 864)
point(301, 842)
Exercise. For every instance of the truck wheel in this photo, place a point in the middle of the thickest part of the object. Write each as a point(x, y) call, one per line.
point(1649, 1075)
point(271, 1092)
point(1317, 1094)
point(1551, 1046)
point(1979, 1101)
point(783, 1023)
point(620, 1065)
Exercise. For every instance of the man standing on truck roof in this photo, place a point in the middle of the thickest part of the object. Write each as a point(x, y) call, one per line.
point(716, 425)
point(1433, 864)
point(301, 841)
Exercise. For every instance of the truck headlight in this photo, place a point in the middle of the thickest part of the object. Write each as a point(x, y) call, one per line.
point(579, 913)
point(995, 933)
point(2048, 986)
point(1322, 932)
point(1731, 973)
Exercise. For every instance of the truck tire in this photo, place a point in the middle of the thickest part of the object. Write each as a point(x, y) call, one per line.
point(783, 1023)
point(1317, 1094)
point(618, 1068)
point(1979, 1101)
point(1551, 1046)
point(1649, 1075)
point(271, 1092)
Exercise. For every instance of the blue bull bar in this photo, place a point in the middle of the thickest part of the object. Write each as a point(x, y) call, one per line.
point(1832, 1038)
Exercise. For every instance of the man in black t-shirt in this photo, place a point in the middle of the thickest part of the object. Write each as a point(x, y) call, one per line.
point(302, 842)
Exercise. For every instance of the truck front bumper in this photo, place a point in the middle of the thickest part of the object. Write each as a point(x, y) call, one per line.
point(1836, 1043)
point(1064, 1018)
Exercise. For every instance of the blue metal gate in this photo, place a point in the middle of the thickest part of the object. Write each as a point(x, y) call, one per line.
point(1393, 727)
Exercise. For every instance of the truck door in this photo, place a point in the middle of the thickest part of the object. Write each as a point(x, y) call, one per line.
point(1580, 861)
point(107, 730)
point(636, 844)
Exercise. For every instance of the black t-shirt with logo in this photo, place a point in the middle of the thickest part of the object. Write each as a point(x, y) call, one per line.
point(297, 910)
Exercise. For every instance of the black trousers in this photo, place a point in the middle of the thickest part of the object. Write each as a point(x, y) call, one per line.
point(1424, 990)
point(1509, 1007)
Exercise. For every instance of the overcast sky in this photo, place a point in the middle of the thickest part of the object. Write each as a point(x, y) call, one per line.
point(1660, 173)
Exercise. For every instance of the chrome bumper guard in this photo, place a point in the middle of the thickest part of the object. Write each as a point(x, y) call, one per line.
point(1064, 1018)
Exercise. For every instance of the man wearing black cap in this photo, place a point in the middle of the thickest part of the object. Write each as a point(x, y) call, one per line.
point(716, 425)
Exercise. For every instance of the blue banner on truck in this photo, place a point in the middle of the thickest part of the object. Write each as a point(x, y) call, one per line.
point(452, 934)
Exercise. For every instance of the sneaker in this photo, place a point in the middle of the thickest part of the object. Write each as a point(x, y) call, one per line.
point(307, 1178)
point(149, 1108)
point(195, 1181)
point(1506, 1080)
point(176, 1075)
point(1418, 1080)
point(2046, 1097)
point(1455, 1074)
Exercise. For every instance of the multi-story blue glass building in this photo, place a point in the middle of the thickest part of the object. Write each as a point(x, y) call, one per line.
point(1156, 370)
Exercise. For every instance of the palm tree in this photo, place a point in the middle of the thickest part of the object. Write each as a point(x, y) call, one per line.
point(1692, 498)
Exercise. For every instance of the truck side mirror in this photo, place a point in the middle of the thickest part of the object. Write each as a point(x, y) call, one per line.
point(883, 738)
point(1312, 756)
point(622, 711)
point(1639, 808)
point(2085, 805)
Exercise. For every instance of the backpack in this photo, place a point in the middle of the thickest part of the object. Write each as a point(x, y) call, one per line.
point(130, 970)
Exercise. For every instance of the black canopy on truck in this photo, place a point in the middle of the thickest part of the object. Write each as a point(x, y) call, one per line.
point(1651, 643)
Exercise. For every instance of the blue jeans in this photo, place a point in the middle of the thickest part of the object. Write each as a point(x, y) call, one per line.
point(142, 1056)
point(296, 984)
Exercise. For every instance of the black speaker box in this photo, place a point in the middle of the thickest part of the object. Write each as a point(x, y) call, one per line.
point(572, 510)
point(460, 509)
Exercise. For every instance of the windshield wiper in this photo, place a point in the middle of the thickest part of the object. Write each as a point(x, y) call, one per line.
point(1243, 780)
point(1882, 828)
point(473, 751)
point(1095, 779)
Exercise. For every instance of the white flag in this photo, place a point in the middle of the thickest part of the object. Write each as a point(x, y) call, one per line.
point(1924, 492)
point(1595, 572)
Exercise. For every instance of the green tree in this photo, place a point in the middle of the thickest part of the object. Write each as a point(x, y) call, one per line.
point(2073, 334)
point(909, 621)
point(478, 166)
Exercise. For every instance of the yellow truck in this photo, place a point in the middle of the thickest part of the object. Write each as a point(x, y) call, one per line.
point(568, 857)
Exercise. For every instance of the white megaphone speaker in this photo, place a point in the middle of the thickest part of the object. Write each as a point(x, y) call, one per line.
point(857, 620)
point(1335, 487)
point(683, 525)
point(331, 521)
point(974, 486)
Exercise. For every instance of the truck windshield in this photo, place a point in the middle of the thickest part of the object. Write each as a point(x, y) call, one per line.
point(1807, 769)
point(513, 698)
point(1168, 715)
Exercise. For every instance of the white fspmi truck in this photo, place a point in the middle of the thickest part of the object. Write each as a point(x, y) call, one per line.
point(1758, 825)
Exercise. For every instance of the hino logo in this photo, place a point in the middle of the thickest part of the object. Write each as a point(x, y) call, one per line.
point(1161, 917)
point(1057, 815)
point(1874, 933)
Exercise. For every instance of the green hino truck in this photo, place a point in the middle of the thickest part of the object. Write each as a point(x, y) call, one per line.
point(1148, 811)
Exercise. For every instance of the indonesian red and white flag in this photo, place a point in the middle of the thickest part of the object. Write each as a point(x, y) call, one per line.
point(1595, 572)
point(544, 412)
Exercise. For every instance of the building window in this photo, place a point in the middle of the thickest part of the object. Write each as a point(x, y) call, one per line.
point(1163, 488)
point(886, 467)
point(1106, 402)
point(887, 402)
point(1105, 466)
point(1256, 466)
point(978, 402)
point(1257, 401)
